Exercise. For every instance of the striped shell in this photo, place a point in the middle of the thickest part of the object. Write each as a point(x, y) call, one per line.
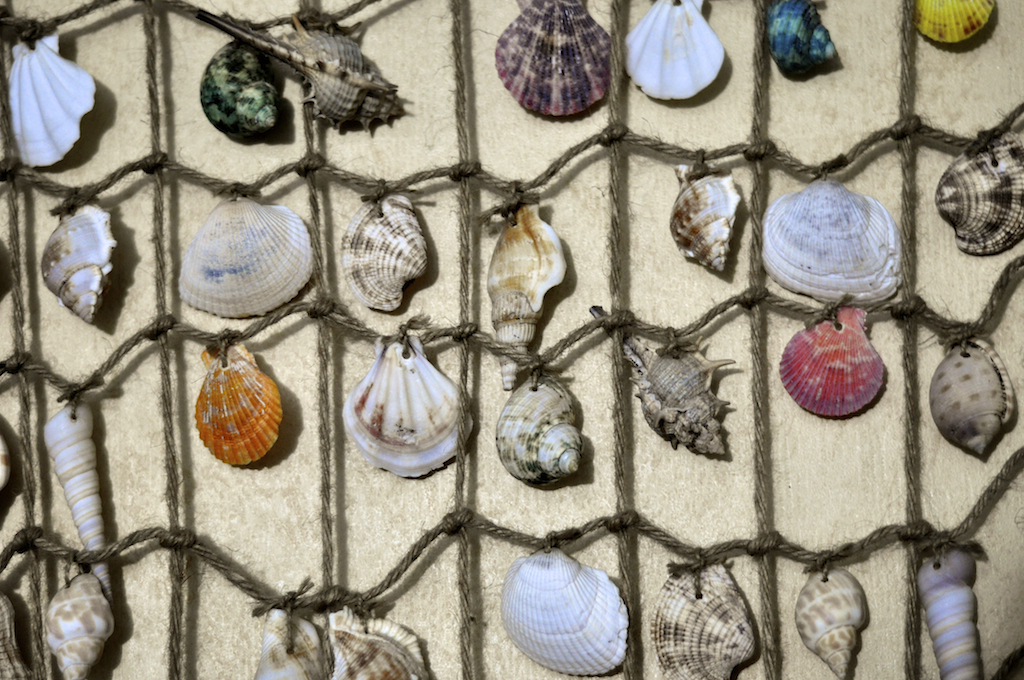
point(375, 650)
point(78, 622)
point(950, 611)
point(11, 665)
point(281, 632)
point(828, 615)
point(703, 216)
point(76, 260)
point(951, 21)
point(238, 411)
point(796, 38)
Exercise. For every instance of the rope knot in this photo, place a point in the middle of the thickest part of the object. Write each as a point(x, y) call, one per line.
point(456, 520)
point(25, 539)
point(830, 166)
point(74, 391)
point(462, 171)
point(829, 311)
point(905, 127)
point(76, 198)
point(310, 163)
point(160, 327)
point(322, 307)
point(983, 141)
point(964, 333)
point(178, 539)
point(32, 30)
point(9, 169)
point(153, 162)
point(765, 543)
point(916, 531)
point(555, 539)
point(905, 310)
point(238, 189)
point(612, 134)
point(700, 168)
point(378, 193)
point(464, 332)
point(619, 318)
point(15, 363)
point(225, 339)
point(622, 521)
point(517, 196)
point(760, 151)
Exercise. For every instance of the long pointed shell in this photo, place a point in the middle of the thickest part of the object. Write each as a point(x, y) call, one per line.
point(376, 650)
point(796, 38)
point(828, 616)
point(564, 615)
point(304, 662)
point(69, 442)
point(951, 21)
point(78, 622)
point(11, 665)
point(76, 260)
point(537, 437)
point(703, 216)
point(950, 610)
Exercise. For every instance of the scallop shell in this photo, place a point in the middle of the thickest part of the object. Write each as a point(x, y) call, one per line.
point(11, 665)
point(76, 260)
point(951, 21)
point(796, 38)
point(971, 395)
point(828, 242)
point(554, 58)
point(237, 91)
point(832, 371)
point(303, 662)
point(950, 611)
point(828, 615)
point(246, 260)
point(537, 438)
point(49, 96)
point(673, 53)
point(564, 615)
point(706, 637)
point(404, 415)
point(78, 622)
point(526, 264)
point(238, 411)
point(982, 196)
point(376, 650)
point(382, 251)
point(703, 216)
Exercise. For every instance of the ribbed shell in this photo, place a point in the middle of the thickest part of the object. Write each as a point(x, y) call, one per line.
point(305, 662)
point(246, 260)
point(78, 622)
point(382, 250)
point(537, 438)
point(951, 21)
point(706, 638)
point(828, 616)
point(76, 260)
point(827, 242)
point(376, 650)
point(49, 96)
point(564, 615)
point(238, 411)
point(11, 665)
point(237, 91)
point(703, 216)
point(796, 38)
point(950, 612)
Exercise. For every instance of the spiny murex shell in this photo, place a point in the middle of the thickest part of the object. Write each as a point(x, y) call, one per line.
point(237, 91)
point(703, 216)
point(246, 260)
point(78, 622)
point(304, 662)
point(971, 396)
point(537, 437)
point(950, 611)
point(982, 196)
point(382, 250)
point(701, 638)
point(829, 242)
point(564, 615)
point(375, 650)
point(76, 260)
point(828, 615)
point(11, 665)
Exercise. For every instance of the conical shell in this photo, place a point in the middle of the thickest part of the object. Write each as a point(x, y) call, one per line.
point(796, 38)
point(982, 196)
point(703, 216)
point(76, 260)
point(382, 251)
point(69, 442)
point(564, 615)
point(49, 96)
point(950, 611)
point(828, 615)
point(537, 437)
point(951, 21)
point(673, 53)
point(526, 264)
point(376, 650)
point(830, 371)
point(11, 665)
point(554, 58)
point(246, 260)
point(971, 395)
point(78, 622)
point(238, 411)
point(828, 242)
point(701, 638)
point(304, 662)
point(404, 415)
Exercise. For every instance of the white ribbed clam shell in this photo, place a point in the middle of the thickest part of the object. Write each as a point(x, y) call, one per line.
point(673, 53)
point(827, 242)
point(828, 616)
point(950, 610)
point(76, 260)
point(78, 622)
point(375, 650)
point(305, 661)
point(564, 615)
point(246, 260)
point(49, 96)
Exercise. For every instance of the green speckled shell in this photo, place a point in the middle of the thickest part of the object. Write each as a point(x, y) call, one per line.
point(237, 91)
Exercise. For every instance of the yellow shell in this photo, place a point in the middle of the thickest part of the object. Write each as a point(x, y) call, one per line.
point(951, 21)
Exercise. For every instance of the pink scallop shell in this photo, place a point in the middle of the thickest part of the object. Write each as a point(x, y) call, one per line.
point(833, 372)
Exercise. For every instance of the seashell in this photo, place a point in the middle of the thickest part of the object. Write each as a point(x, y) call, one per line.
point(703, 215)
point(951, 21)
point(404, 415)
point(564, 615)
point(76, 260)
point(705, 637)
point(237, 91)
point(982, 196)
point(537, 437)
point(49, 96)
point(554, 58)
point(11, 665)
point(828, 242)
point(238, 411)
point(832, 371)
point(675, 394)
point(246, 260)
point(673, 53)
point(796, 38)
point(303, 662)
point(828, 615)
point(78, 622)
point(950, 610)
point(5, 464)
point(382, 251)
point(971, 395)
point(376, 650)
point(69, 442)
point(527, 263)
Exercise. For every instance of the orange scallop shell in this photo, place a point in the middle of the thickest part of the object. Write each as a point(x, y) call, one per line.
point(238, 411)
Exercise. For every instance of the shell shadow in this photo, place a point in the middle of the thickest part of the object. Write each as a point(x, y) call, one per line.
point(93, 125)
point(6, 279)
point(709, 93)
point(289, 430)
point(123, 260)
point(429, 276)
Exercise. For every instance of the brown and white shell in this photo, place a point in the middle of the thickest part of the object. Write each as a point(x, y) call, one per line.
point(829, 612)
point(76, 260)
point(703, 216)
point(375, 650)
point(78, 623)
point(291, 649)
point(11, 665)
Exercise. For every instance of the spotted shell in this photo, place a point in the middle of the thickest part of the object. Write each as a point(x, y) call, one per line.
point(537, 438)
point(796, 39)
point(76, 261)
point(375, 650)
point(78, 623)
point(291, 649)
point(951, 21)
point(951, 610)
point(237, 91)
point(703, 216)
point(11, 665)
point(829, 612)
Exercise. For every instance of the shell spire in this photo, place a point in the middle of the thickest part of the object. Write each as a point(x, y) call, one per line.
point(77, 260)
point(703, 216)
point(950, 609)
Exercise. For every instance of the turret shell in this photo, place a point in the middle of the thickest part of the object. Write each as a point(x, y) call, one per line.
point(796, 38)
point(951, 21)
point(829, 612)
point(78, 623)
point(703, 216)
point(375, 650)
point(237, 91)
point(950, 612)
point(11, 665)
point(303, 662)
point(537, 438)
point(76, 260)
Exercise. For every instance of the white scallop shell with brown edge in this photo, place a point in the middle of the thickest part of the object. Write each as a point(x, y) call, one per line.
point(246, 260)
point(951, 610)
point(703, 216)
point(375, 650)
point(303, 662)
point(78, 622)
point(829, 612)
point(76, 260)
point(11, 665)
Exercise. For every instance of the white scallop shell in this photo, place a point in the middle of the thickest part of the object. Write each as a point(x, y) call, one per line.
point(828, 615)
point(305, 662)
point(951, 609)
point(565, 616)
point(76, 260)
point(673, 53)
point(375, 650)
point(49, 96)
point(246, 260)
point(78, 622)
point(828, 242)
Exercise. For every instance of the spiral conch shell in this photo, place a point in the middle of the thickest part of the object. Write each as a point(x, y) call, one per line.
point(950, 609)
point(303, 662)
point(375, 650)
point(828, 615)
point(76, 260)
point(11, 665)
point(78, 622)
point(537, 439)
point(703, 216)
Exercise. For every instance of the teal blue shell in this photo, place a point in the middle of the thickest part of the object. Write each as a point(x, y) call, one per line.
point(796, 37)
point(237, 91)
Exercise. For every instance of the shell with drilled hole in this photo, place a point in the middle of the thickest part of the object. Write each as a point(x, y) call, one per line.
point(76, 260)
point(828, 615)
point(237, 91)
point(78, 622)
point(796, 38)
point(11, 665)
point(283, 632)
point(951, 21)
point(537, 438)
point(376, 649)
point(703, 216)
point(951, 610)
